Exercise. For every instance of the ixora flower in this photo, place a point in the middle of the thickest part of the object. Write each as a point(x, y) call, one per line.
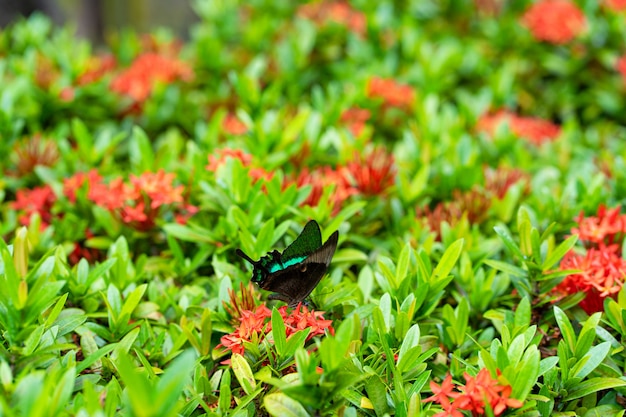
point(139, 79)
point(136, 203)
point(233, 126)
point(615, 5)
point(33, 151)
point(255, 325)
point(554, 21)
point(222, 155)
point(478, 393)
point(602, 269)
point(601, 275)
point(355, 118)
point(393, 93)
point(533, 129)
point(321, 178)
point(607, 227)
point(373, 174)
point(38, 200)
point(338, 12)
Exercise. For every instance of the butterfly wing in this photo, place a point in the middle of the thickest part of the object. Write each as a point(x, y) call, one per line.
point(294, 283)
point(305, 244)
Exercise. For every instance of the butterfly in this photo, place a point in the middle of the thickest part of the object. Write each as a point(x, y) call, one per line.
point(293, 274)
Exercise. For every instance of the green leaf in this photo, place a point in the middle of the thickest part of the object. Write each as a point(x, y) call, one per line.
point(558, 253)
point(278, 332)
point(411, 339)
point(243, 372)
point(508, 241)
point(593, 385)
point(447, 262)
point(566, 328)
point(280, 405)
point(140, 150)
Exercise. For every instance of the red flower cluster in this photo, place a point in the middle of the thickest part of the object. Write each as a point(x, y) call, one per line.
point(321, 178)
point(139, 79)
point(478, 393)
point(39, 200)
point(373, 174)
point(602, 269)
point(222, 155)
point(355, 118)
point(97, 67)
point(254, 325)
point(554, 21)
point(473, 204)
point(498, 181)
point(615, 5)
point(369, 175)
point(233, 126)
point(533, 129)
point(338, 12)
point(33, 151)
point(392, 93)
point(137, 203)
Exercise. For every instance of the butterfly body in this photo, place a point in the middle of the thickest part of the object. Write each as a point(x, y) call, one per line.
point(293, 274)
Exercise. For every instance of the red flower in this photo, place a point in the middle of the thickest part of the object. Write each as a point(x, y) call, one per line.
point(338, 12)
point(216, 161)
point(33, 151)
point(615, 5)
point(233, 126)
point(498, 181)
point(158, 187)
point(392, 93)
point(477, 393)
point(374, 174)
point(319, 180)
point(554, 21)
point(258, 324)
point(607, 227)
point(139, 79)
point(601, 275)
point(77, 181)
point(96, 68)
point(355, 118)
point(37, 200)
point(533, 129)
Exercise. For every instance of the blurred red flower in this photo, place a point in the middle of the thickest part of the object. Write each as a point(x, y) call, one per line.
point(139, 79)
point(477, 393)
point(498, 181)
point(158, 188)
point(96, 68)
point(554, 21)
point(607, 227)
point(601, 275)
point(393, 93)
point(338, 12)
point(373, 174)
point(33, 151)
point(233, 126)
point(533, 129)
point(38, 200)
point(355, 118)
point(615, 5)
point(321, 178)
point(222, 155)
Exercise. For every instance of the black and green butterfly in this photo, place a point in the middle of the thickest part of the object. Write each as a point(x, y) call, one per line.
point(293, 274)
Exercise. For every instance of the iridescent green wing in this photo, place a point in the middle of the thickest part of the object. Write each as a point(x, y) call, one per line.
point(308, 242)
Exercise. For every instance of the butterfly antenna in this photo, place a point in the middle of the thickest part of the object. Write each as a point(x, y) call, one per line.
point(240, 253)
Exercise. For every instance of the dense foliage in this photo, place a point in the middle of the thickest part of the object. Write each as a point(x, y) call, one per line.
point(470, 154)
